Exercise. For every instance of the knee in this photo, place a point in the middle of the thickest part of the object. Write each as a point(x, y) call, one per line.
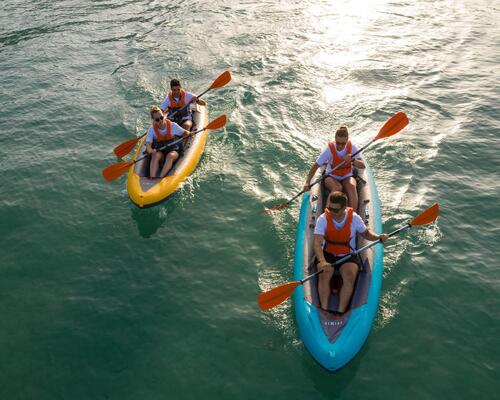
point(325, 277)
point(350, 186)
point(172, 156)
point(349, 273)
point(333, 185)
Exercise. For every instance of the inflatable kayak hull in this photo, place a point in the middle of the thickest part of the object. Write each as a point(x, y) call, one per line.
point(333, 341)
point(145, 192)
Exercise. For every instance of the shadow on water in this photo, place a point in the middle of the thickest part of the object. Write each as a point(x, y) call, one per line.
point(331, 385)
point(149, 220)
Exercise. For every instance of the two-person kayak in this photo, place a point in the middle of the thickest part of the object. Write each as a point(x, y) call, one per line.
point(146, 192)
point(331, 339)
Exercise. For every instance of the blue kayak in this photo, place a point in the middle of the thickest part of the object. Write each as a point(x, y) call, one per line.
point(332, 340)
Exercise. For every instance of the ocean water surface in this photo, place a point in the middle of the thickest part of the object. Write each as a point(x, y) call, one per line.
point(102, 300)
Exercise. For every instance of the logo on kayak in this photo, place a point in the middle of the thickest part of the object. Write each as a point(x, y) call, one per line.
point(338, 322)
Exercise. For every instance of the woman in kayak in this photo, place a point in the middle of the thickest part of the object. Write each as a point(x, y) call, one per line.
point(160, 134)
point(335, 237)
point(336, 153)
point(178, 101)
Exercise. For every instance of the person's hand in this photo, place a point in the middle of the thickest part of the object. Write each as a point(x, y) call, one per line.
point(348, 158)
point(194, 99)
point(326, 266)
point(383, 237)
point(307, 187)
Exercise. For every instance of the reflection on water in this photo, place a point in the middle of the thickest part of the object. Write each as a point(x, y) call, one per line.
point(149, 220)
point(333, 385)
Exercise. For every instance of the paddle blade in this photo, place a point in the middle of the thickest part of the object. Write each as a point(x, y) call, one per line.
point(126, 147)
point(427, 216)
point(217, 123)
point(393, 125)
point(276, 296)
point(221, 80)
point(114, 171)
point(277, 207)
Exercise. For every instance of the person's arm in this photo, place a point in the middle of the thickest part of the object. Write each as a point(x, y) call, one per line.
point(357, 161)
point(165, 105)
point(370, 235)
point(149, 142)
point(149, 148)
point(195, 99)
point(318, 251)
point(312, 171)
point(177, 130)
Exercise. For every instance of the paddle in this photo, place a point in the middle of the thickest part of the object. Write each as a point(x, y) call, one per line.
point(279, 294)
point(392, 126)
point(126, 147)
point(114, 171)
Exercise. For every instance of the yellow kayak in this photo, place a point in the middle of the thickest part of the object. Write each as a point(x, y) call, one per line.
point(145, 192)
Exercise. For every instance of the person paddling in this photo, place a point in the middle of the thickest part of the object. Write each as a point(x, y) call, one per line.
point(333, 155)
point(178, 101)
point(160, 133)
point(334, 237)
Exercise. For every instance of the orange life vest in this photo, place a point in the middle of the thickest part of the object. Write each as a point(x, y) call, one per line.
point(346, 168)
point(337, 240)
point(174, 105)
point(168, 132)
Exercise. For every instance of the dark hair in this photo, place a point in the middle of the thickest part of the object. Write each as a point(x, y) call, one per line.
point(338, 198)
point(153, 110)
point(174, 82)
point(342, 132)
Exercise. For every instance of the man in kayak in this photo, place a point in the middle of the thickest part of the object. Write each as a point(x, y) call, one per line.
point(161, 132)
point(335, 237)
point(336, 153)
point(178, 101)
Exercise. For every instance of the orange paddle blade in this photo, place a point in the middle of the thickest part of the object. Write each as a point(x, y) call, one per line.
point(393, 125)
point(126, 147)
point(221, 80)
point(217, 123)
point(113, 171)
point(277, 207)
point(427, 216)
point(276, 296)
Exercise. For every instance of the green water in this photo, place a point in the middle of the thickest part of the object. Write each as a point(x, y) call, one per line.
point(101, 300)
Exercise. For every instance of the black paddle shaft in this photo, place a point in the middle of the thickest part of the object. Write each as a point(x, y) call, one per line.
point(170, 144)
point(348, 256)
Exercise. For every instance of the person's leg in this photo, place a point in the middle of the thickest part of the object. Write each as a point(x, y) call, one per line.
point(324, 287)
point(349, 186)
point(349, 271)
point(156, 159)
point(187, 124)
point(169, 161)
point(332, 185)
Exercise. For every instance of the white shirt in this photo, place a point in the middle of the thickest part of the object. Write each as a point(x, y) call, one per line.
point(187, 98)
point(326, 157)
point(357, 226)
point(175, 130)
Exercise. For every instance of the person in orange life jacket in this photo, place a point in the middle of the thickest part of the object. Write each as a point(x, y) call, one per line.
point(175, 100)
point(159, 134)
point(334, 237)
point(341, 179)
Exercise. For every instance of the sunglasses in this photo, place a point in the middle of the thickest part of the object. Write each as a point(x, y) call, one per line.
point(335, 210)
point(159, 119)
